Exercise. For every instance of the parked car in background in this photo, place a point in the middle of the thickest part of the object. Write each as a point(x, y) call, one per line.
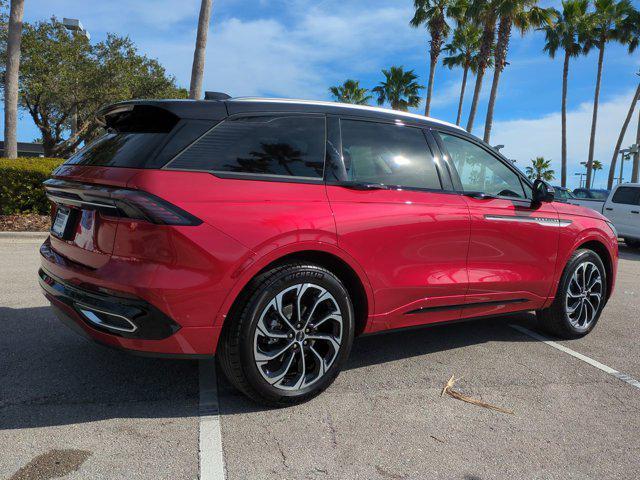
point(622, 207)
point(270, 232)
point(590, 198)
point(563, 194)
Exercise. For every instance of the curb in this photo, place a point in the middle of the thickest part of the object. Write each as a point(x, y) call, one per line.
point(23, 235)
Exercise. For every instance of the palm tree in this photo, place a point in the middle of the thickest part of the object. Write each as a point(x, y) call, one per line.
point(623, 131)
point(463, 52)
point(14, 38)
point(433, 14)
point(540, 168)
point(350, 92)
point(482, 13)
point(631, 33)
point(524, 15)
point(197, 70)
point(636, 156)
point(400, 89)
point(564, 34)
point(609, 22)
point(596, 166)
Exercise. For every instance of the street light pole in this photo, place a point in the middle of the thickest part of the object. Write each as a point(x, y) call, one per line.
point(74, 25)
point(624, 153)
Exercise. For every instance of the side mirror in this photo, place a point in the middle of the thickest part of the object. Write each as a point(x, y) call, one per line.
point(543, 192)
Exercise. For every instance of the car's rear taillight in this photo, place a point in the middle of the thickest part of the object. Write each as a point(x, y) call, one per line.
point(133, 204)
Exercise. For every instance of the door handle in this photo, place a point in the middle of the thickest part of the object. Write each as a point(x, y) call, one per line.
point(609, 209)
point(635, 211)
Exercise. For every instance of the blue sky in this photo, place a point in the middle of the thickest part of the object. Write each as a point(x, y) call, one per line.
point(298, 48)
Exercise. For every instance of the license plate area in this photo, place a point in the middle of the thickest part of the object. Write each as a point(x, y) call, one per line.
point(63, 223)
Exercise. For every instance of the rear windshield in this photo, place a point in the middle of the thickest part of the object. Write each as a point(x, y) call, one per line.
point(120, 150)
point(135, 136)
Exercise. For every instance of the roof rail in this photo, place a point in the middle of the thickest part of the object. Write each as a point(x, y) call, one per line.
point(216, 96)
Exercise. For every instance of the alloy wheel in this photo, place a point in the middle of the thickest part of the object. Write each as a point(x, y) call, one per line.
point(298, 336)
point(584, 296)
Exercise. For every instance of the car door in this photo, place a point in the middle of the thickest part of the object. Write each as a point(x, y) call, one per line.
point(623, 209)
point(513, 243)
point(397, 215)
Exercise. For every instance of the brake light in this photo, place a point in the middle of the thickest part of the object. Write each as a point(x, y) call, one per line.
point(133, 204)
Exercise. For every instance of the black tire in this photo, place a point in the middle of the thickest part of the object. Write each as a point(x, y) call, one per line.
point(632, 243)
point(555, 319)
point(236, 348)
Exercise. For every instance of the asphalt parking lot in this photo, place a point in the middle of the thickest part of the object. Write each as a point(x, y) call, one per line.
point(71, 409)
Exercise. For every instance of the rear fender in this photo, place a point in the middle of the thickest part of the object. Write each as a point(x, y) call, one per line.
point(247, 271)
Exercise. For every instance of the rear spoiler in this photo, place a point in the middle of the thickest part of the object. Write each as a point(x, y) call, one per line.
point(213, 109)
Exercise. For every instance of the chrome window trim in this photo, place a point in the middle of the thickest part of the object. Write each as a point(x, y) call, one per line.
point(544, 221)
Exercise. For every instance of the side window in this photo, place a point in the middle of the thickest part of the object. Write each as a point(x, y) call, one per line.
point(480, 171)
point(388, 154)
point(291, 146)
point(626, 195)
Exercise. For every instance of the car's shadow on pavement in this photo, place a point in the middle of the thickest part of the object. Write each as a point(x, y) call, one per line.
point(51, 376)
point(396, 345)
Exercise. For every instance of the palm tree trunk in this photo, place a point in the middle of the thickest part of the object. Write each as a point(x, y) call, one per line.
point(197, 70)
point(594, 119)
point(432, 74)
point(486, 44)
point(492, 101)
point(462, 89)
point(502, 45)
point(476, 97)
point(11, 79)
point(636, 157)
point(623, 131)
point(565, 77)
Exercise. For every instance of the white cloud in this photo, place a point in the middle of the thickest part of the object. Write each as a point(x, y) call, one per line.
point(526, 139)
point(302, 59)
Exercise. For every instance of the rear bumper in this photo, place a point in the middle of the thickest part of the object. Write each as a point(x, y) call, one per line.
point(125, 317)
point(70, 320)
point(82, 301)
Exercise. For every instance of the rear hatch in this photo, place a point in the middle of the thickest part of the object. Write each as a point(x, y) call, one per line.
point(89, 192)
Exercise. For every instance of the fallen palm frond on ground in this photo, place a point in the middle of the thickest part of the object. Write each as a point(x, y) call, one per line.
point(455, 394)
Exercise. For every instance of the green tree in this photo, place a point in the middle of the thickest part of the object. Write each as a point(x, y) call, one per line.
point(597, 165)
point(433, 14)
point(350, 92)
point(540, 168)
point(463, 52)
point(484, 14)
point(61, 72)
point(399, 88)
point(609, 22)
point(523, 15)
point(564, 34)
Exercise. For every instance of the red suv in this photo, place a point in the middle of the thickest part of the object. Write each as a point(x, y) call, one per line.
point(271, 232)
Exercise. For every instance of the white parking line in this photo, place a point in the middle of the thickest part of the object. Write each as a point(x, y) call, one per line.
point(594, 363)
point(211, 458)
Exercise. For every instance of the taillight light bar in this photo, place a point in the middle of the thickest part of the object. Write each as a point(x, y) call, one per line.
point(122, 202)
